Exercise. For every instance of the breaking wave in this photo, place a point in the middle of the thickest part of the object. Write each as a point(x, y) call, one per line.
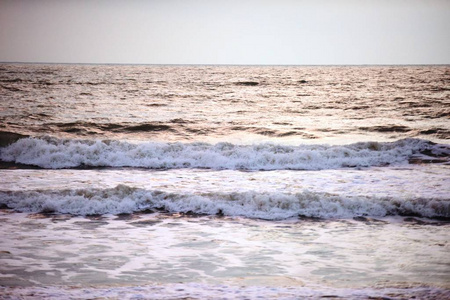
point(270, 206)
point(54, 153)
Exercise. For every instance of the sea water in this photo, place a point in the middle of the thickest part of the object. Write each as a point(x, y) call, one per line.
point(229, 182)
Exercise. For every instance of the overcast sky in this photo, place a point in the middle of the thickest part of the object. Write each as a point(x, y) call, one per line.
point(292, 32)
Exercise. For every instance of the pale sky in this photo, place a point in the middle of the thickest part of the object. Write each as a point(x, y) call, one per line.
point(292, 32)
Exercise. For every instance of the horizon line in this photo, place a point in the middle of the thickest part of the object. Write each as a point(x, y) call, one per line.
point(221, 64)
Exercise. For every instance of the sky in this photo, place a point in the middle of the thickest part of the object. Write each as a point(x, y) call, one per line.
point(249, 32)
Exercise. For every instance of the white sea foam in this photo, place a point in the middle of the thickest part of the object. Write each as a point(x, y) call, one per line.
point(271, 206)
point(48, 152)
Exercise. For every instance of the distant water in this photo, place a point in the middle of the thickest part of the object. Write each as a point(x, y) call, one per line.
point(232, 104)
point(238, 182)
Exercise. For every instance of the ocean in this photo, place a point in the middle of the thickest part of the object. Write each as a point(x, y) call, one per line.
point(224, 182)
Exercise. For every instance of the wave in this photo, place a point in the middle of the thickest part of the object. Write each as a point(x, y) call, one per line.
point(79, 127)
point(270, 206)
point(54, 153)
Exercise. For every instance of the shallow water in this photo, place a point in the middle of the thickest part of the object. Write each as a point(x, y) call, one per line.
point(212, 182)
point(166, 249)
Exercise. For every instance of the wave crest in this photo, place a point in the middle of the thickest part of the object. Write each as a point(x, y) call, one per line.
point(270, 206)
point(54, 153)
